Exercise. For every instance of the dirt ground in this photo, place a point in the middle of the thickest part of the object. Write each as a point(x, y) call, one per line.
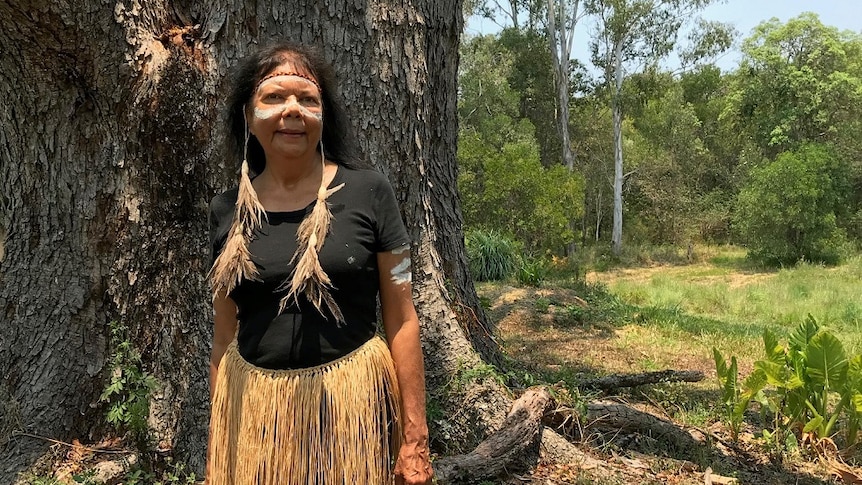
point(532, 336)
point(537, 340)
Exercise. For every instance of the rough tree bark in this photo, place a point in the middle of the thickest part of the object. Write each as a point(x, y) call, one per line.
point(109, 153)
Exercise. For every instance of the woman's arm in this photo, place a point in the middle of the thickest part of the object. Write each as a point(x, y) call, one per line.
point(224, 314)
point(401, 324)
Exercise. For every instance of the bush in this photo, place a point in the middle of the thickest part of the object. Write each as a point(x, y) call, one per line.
point(509, 190)
point(492, 256)
point(532, 271)
point(788, 211)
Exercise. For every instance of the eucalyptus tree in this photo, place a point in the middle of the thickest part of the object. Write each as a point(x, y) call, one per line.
point(109, 153)
point(562, 18)
point(628, 35)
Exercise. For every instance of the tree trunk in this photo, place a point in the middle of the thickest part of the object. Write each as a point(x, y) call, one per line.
point(617, 234)
point(560, 39)
point(107, 162)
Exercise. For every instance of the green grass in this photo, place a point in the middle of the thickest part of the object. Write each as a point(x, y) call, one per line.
point(738, 302)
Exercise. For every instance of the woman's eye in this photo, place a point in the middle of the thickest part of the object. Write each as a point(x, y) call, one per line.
point(273, 96)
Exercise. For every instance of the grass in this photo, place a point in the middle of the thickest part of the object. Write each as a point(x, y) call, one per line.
point(656, 310)
point(722, 299)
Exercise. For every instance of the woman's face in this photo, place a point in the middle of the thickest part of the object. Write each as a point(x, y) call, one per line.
point(285, 114)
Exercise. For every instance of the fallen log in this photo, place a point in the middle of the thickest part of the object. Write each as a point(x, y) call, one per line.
point(616, 381)
point(515, 445)
point(619, 417)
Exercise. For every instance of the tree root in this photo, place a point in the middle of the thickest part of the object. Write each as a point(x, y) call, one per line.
point(619, 417)
point(536, 427)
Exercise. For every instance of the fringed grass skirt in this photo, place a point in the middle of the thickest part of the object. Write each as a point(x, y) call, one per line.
point(332, 424)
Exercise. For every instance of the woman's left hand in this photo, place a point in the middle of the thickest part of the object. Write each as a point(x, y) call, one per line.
point(413, 466)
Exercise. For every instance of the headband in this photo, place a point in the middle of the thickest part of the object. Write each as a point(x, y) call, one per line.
point(288, 73)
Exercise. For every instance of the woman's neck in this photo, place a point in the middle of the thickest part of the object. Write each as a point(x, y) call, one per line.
point(289, 174)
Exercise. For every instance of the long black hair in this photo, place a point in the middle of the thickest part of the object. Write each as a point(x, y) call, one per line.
point(338, 142)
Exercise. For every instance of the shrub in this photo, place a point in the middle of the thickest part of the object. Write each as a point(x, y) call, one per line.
point(532, 271)
point(789, 209)
point(508, 189)
point(808, 384)
point(492, 256)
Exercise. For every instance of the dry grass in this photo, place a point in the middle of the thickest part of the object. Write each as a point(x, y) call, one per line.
point(670, 316)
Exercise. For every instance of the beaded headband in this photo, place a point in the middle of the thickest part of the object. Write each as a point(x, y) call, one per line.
point(288, 73)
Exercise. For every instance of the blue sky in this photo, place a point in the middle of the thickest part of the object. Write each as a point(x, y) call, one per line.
point(743, 14)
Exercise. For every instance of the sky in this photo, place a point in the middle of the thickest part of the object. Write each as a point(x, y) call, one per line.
point(743, 14)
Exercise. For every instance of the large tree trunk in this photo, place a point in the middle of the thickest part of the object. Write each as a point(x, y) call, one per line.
point(109, 153)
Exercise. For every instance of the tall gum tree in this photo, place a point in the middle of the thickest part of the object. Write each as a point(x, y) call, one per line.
point(109, 152)
point(631, 34)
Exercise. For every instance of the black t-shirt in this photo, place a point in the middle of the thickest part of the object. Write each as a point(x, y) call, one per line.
point(365, 221)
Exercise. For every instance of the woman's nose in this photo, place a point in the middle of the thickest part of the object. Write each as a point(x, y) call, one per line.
point(292, 107)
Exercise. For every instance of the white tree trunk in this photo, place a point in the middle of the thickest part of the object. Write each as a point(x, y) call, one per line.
point(561, 37)
point(599, 213)
point(617, 235)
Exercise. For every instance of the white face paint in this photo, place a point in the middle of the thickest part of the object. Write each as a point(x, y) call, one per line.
point(279, 110)
point(401, 273)
point(265, 114)
point(281, 100)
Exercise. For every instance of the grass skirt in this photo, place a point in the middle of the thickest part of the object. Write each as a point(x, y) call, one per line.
point(332, 424)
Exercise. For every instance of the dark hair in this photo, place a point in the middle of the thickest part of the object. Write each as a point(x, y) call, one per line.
point(338, 142)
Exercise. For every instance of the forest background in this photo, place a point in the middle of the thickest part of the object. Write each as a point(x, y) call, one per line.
point(763, 153)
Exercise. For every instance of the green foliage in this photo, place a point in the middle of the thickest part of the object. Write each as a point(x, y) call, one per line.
point(502, 181)
point(735, 397)
point(532, 271)
point(174, 473)
point(811, 384)
point(492, 256)
point(542, 304)
point(509, 190)
point(799, 82)
point(86, 478)
point(127, 395)
point(788, 210)
point(532, 78)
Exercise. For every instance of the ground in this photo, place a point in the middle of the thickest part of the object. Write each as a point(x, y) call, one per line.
point(567, 331)
point(540, 331)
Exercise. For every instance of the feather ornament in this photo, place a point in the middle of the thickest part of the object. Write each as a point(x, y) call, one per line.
point(234, 263)
point(308, 277)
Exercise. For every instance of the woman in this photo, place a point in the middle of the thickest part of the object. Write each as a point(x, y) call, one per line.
point(303, 391)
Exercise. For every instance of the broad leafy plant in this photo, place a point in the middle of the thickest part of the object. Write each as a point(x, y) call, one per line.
point(809, 384)
point(735, 397)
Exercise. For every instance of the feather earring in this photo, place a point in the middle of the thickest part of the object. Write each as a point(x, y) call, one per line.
point(234, 263)
point(308, 277)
